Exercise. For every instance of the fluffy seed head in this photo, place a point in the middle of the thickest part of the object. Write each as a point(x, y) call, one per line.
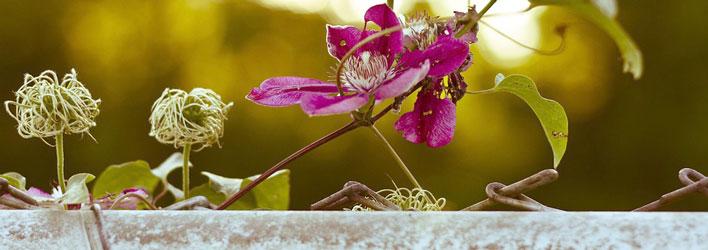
point(45, 107)
point(196, 118)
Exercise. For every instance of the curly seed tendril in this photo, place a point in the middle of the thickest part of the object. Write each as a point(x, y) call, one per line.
point(409, 199)
point(195, 118)
point(45, 107)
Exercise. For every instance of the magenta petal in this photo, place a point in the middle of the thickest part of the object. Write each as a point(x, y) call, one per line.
point(316, 105)
point(340, 39)
point(384, 17)
point(285, 91)
point(36, 192)
point(408, 125)
point(402, 82)
point(446, 55)
point(432, 121)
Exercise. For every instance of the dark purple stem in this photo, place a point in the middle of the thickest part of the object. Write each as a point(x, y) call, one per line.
point(351, 126)
point(331, 136)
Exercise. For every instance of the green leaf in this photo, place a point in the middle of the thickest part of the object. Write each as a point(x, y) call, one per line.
point(550, 113)
point(170, 164)
point(227, 186)
point(76, 190)
point(273, 193)
point(205, 190)
point(116, 178)
point(14, 179)
point(602, 15)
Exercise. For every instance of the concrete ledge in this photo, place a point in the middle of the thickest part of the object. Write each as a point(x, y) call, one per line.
point(352, 230)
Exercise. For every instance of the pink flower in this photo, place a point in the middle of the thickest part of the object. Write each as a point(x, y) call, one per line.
point(385, 68)
point(369, 73)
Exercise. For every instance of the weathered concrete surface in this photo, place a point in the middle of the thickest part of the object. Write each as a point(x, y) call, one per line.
point(354, 230)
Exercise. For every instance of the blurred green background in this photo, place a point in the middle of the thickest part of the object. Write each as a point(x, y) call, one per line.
point(628, 139)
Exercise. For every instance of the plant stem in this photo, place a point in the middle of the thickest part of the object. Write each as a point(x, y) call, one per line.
point(59, 145)
point(468, 26)
point(185, 169)
point(395, 155)
point(349, 127)
point(480, 92)
point(132, 195)
point(280, 165)
point(559, 30)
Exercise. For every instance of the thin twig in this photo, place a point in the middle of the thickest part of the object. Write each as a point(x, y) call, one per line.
point(469, 25)
point(99, 225)
point(560, 31)
point(161, 194)
point(191, 204)
point(523, 202)
point(132, 195)
point(694, 187)
point(355, 192)
point(689, 176)
point(17, 199)
point(21, 195)
point(398, 159)
point(517, 188)
point(350, 126)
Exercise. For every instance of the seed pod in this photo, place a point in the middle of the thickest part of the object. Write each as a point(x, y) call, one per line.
point(195, 118)
point(45, 107)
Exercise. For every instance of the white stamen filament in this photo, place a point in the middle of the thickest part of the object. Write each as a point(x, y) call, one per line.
point(366, 71)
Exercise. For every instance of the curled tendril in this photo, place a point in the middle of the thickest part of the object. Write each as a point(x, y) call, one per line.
point(194, 118)
point(409, 199)
point(45, 107)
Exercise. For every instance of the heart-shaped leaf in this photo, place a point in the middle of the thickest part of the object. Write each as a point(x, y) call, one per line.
point(116, 178)
point(227, 186)
point(601, 13)
point(550, 113)
point(273, 193)
point(76, 190)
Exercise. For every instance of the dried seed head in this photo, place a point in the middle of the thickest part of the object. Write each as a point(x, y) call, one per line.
point(409, 199)
point(45, 107)
point(195, 118)
point(420, 31)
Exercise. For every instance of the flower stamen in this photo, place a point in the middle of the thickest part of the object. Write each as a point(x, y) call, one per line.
point(366, 71)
